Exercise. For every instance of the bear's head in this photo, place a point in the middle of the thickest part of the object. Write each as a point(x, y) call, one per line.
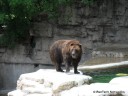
point(75, 50)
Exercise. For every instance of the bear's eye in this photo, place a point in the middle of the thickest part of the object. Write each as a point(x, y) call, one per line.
point(72, 44)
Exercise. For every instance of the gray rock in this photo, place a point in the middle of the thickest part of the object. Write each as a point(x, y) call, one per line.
point(120, 80)
point(43, 29)
point(97, 89)
point(47, 82)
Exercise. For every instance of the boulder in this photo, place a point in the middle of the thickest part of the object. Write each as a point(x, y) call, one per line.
point(46, 81)
point(16, 93)
point(120, 80)
point(97, 89)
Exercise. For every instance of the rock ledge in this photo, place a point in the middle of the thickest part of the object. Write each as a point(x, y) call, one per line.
point(47, 82)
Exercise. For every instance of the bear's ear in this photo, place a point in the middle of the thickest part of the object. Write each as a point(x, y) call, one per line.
point(80, 45)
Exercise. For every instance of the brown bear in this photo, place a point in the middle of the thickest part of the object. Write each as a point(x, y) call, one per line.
point(67, 51)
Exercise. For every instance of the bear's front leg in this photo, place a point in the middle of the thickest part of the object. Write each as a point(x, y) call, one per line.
point(75, 65)
point(67, 68)
point(67, 62)
point(67, 65)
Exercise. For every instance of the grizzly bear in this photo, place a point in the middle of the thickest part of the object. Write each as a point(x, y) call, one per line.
point(67, 51)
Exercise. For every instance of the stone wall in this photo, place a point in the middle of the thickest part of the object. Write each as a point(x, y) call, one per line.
point(103, 22)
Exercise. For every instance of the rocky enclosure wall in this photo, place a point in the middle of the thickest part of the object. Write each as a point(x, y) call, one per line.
point(103, 22)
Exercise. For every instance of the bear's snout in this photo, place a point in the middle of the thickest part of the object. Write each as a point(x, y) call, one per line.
point(74, 55)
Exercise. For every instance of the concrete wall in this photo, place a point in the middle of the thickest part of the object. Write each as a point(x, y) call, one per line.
point(9, 73)
point(104, 22)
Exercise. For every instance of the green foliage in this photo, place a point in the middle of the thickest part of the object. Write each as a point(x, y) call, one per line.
point(18, 14)
point(88, 2)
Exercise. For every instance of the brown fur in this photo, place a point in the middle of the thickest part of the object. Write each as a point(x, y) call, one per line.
point(67, 51)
